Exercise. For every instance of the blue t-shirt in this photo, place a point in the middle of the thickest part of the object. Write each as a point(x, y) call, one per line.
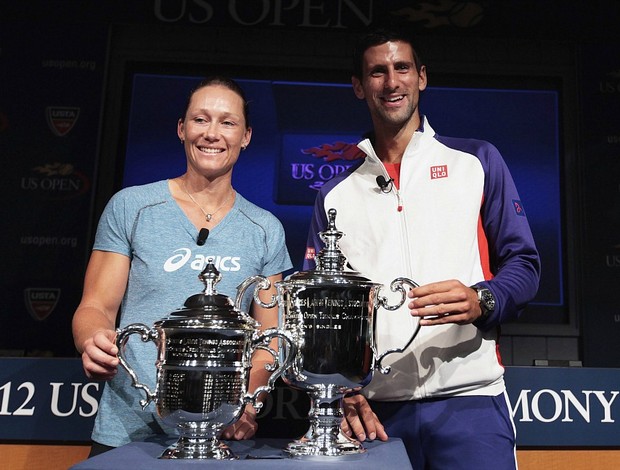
point(146, 224)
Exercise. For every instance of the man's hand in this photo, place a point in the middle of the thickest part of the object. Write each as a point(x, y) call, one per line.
point(443, 302)
point(360, 421)
point(244, 428)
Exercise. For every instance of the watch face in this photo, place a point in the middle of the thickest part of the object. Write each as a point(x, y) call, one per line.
point(487, 299)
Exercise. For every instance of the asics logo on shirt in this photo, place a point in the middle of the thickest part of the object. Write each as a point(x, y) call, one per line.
point(184, 255)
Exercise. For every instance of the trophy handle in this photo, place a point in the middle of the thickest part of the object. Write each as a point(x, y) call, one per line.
point(396, 286)
point(263, 284)
point(262, 342)
point(122, 335)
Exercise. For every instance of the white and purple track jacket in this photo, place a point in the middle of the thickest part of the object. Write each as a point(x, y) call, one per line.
point(456, 215)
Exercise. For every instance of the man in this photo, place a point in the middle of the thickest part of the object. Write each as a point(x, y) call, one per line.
point(448, 216)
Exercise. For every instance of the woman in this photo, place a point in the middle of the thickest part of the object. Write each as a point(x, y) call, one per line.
point(146, 259)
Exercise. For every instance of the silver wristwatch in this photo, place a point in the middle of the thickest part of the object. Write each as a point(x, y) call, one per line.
point(486, 299)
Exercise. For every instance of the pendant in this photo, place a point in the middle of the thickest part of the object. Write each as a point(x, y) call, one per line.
point(208, 217)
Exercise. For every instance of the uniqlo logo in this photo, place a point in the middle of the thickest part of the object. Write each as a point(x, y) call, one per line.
point(439, 171)
point(310, 252)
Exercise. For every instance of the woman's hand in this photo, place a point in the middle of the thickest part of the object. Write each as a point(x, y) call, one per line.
point(100, 355)
point(94, 320)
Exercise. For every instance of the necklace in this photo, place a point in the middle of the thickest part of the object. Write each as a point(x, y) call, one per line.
point(208, 215)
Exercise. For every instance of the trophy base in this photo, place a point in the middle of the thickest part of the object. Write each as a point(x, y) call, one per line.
point(198, 448)
point(325, 445)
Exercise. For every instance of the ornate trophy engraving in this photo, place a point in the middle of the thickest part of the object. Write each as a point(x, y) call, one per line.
point(203, 365)
point(331, 315)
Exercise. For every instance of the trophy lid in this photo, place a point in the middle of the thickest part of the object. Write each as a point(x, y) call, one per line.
point(211, 307)
point(330, 262)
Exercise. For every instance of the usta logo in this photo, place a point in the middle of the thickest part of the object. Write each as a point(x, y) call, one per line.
point(198, 263)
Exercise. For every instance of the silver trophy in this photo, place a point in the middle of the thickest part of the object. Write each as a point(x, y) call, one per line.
point(203, 365)
point(331, 314)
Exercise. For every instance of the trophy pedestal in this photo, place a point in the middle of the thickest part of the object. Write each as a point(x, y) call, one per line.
point(325, 437)
point(198, 448)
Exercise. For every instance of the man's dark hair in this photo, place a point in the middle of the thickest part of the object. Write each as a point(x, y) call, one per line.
point(377, 37)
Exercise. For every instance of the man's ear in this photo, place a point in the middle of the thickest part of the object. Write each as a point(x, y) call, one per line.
point(357, 88)
point(423, 79)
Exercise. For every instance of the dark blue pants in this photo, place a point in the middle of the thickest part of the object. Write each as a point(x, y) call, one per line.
point(454, 433)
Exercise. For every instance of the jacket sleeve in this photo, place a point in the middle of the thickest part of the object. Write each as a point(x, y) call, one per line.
point(514, 259)
point(318, 223)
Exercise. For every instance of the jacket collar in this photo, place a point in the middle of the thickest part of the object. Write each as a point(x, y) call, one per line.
point(422, 134)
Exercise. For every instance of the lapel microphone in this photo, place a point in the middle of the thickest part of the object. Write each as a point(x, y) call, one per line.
point(202, 236)
point(384, 185)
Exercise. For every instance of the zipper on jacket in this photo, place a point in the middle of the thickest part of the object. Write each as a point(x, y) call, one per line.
point(390, 180)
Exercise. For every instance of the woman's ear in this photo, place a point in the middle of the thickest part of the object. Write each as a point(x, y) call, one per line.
point(181, 130)
point(246, 138)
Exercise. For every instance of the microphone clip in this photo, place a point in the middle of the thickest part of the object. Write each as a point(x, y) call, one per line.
point(202, 236)
point(385, 185)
